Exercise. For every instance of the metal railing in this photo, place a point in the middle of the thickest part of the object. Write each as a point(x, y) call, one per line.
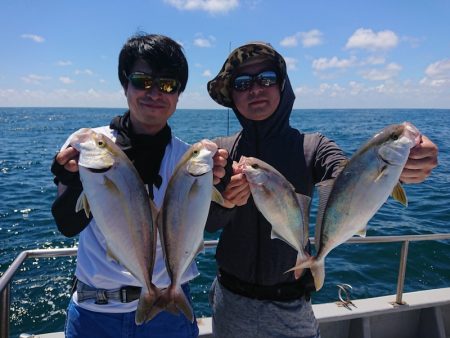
point(5, 280)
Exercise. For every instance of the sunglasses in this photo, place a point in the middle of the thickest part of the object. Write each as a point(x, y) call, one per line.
point(244, 81)
point(144, 81)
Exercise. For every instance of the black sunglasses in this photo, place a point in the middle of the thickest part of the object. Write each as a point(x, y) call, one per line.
point(144, 81)
point(266, 78)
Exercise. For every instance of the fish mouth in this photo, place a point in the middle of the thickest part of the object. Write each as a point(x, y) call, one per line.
point(198, 175)
point(99, 170)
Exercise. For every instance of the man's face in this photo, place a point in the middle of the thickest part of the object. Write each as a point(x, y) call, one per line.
point(257, 102)
point(150, 108)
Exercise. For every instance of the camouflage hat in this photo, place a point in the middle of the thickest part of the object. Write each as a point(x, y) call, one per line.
point(219, 88)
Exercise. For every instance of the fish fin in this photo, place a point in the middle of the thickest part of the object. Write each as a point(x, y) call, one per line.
point(324, 188)
point(174, 300)
point(318, 272)
point(362, 232)
point(83, 203)
point(342, 164)
point(381, 174)
point(217, 196)
point(147, 308)
point(301, 257)
point(305, 203)
point(303, 264)
point(111, 186)
point(182, 303)
point(274, 235)
point(110, 255)
point(399, 194)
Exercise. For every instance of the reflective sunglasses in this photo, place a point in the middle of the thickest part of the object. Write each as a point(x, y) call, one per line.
point(144, 81)
point(266, 78)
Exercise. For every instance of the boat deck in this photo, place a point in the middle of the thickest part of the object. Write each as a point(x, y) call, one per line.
point(424, 314)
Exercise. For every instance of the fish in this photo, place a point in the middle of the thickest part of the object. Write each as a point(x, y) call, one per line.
point(182, 219)
point(348, 202)
point(117, 198)
point(276, 198)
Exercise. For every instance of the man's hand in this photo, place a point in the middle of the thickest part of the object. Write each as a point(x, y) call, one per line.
point(423, 158)
point(237, 191)
point(68, 158)
point(220, 161)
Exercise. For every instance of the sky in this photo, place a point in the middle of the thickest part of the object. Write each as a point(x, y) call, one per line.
point(340, 54)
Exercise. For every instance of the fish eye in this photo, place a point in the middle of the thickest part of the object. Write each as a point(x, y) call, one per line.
point(394, 137)
point(101, 143)
point(255, 166)
point(195, 152)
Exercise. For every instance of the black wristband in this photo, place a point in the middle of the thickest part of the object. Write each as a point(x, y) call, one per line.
point(64, 176)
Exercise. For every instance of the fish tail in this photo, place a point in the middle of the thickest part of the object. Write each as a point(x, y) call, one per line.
point(147, 307)
point(318, 272)
point(302, 263)
point(174, 300)
point(302, 258)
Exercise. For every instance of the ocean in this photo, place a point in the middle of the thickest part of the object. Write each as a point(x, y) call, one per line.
point(30, 137)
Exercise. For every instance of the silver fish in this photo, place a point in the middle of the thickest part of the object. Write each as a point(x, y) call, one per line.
point(276, 199)
point(182, 219)
point(115, 194)
point(347, 203)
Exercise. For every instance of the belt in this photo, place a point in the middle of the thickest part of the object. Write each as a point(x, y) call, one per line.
point(124, 294)
point(282, 292)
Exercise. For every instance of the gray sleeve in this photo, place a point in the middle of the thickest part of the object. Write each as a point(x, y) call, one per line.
point(328, 157)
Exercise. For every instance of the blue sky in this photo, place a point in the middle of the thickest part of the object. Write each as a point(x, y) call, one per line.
point(340, 54)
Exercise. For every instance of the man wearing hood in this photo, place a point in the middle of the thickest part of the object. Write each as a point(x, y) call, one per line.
point(252, 295)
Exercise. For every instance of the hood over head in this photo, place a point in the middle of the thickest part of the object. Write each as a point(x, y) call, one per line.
point(219, 88)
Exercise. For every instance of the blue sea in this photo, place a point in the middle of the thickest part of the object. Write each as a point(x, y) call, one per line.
point(30, 137)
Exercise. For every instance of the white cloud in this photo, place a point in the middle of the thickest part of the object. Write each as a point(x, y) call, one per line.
point(64, 63)
point(202, 43)
point(210, 6)
point(308, 39)
point(33, 37)
point(367, 39)
point(324, 63)
point(61, 98)
point(389, 72)
point(207, 73)
point(439, 69)
point(84, 72)
point(289, 41)
point(291, 63)
point(35, 79)
point(374, 60)
point(66, 80)
point(311, 38)
point(437, 74)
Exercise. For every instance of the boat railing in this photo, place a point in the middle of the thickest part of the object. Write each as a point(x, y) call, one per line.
point(6, 278)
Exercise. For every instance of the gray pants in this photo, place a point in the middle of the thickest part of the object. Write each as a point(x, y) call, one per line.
point(236, 316)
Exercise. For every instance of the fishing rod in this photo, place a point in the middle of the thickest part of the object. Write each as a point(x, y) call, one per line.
point(228, 109)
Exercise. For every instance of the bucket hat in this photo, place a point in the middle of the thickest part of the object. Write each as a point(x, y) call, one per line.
point(219, 88)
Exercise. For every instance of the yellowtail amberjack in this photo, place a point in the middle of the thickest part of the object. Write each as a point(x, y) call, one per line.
point(276, 199)
point(347, 203)
point(115, 194)
point(182, 219)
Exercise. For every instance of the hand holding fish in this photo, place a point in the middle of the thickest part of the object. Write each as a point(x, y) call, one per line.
point(220, 161)
point(421, 161)
point(237, 191)
point(68, 158)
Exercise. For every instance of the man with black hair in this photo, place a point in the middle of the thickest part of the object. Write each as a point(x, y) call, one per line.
point(153, 72)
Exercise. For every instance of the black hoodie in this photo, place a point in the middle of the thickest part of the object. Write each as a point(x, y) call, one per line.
point(245, 249)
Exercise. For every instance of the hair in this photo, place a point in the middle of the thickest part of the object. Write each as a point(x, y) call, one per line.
point(161, 53)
